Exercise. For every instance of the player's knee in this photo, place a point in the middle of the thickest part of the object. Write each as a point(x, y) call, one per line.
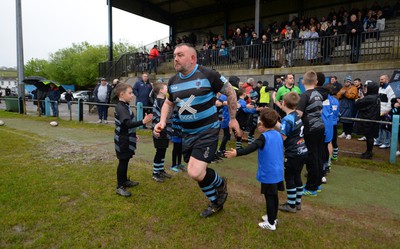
point(194, 174)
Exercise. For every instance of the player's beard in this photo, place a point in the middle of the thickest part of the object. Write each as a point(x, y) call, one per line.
point(182, 68)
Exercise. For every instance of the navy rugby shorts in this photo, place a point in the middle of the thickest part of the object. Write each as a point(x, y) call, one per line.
point(201, 146)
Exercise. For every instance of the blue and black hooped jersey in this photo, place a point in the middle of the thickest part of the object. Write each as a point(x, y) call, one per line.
point(194, 94)
point(125, 130)
point(292, 127)
point(157, 106)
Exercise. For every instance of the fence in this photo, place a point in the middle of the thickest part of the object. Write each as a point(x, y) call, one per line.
point(339, 49)
point(75, 113)
point(394, 133)
point(81, 116)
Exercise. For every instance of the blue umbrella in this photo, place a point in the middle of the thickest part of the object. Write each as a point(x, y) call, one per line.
point(396, 88)
point(395, 83)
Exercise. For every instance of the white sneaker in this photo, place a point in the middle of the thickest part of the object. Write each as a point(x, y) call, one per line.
point(362, 138)
point(100, 121)
point(266, 225)
point(397, 153)
point(105, 121)
point(384, 146)
point(376, 143)
point(343, 135)
point(323, 180)
point(348, 137)
point(265, 218)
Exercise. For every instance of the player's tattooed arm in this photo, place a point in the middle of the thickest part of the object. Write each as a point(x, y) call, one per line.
point(227, 89)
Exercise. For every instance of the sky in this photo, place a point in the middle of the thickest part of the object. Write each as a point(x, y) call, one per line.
point(50, 25)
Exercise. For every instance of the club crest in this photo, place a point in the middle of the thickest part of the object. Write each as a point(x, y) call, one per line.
point(198, 84)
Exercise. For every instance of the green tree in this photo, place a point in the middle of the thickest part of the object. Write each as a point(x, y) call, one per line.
point(76, 65)
point(36, 67)
point(123, 47)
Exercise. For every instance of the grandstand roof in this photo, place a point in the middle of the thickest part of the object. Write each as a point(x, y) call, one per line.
point(168, 11)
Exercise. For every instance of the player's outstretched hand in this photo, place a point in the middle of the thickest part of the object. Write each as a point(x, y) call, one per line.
point(158, 128)
point(230, 153)
point(147, 118)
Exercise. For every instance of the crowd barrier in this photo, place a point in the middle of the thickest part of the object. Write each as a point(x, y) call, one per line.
point(394, 134)
point(139, 116)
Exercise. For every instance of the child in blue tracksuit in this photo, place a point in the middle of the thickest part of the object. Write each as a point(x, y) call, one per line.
point(335, 118)
point(243, 115)
point(222, 101)
point(327, 118)
point(270, 164)
point(176, 139)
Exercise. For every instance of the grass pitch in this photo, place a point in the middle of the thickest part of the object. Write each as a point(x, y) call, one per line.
point(58, 191)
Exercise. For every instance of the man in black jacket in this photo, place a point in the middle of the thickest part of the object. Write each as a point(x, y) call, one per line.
point(368, 108)
point(353, 31)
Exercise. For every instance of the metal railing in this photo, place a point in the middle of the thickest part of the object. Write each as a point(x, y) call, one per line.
point(128, 63)
point(77, 113)
point(339, 49)
point(394, 132)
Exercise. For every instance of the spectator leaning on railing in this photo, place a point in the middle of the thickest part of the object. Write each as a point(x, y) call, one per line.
point(347, 95)
point(311, 45)
point(101, 95)
point(277, 48)
point(353, 31)
point(381, 20)
point(326, 43)
point(54, 96)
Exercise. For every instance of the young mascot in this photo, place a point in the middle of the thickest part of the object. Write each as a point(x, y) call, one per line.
point(295, 152)
point(270, 164)
point(125, 136)
point(161, 142)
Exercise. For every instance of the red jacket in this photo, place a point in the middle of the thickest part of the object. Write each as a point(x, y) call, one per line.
point(153, 53)
point(248, 88)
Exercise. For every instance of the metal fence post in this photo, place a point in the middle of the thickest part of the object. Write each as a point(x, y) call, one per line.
point(393, 143)
point(21, 106)
point(80, 110)
point(139, 112)
point(47, 107)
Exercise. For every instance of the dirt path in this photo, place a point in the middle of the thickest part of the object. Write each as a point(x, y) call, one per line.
point(354, 148)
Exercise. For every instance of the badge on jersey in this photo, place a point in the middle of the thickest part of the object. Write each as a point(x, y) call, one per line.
point(223, 79)
point(198, 84)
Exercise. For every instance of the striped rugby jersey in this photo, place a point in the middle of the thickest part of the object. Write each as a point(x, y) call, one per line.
point(194, 94)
